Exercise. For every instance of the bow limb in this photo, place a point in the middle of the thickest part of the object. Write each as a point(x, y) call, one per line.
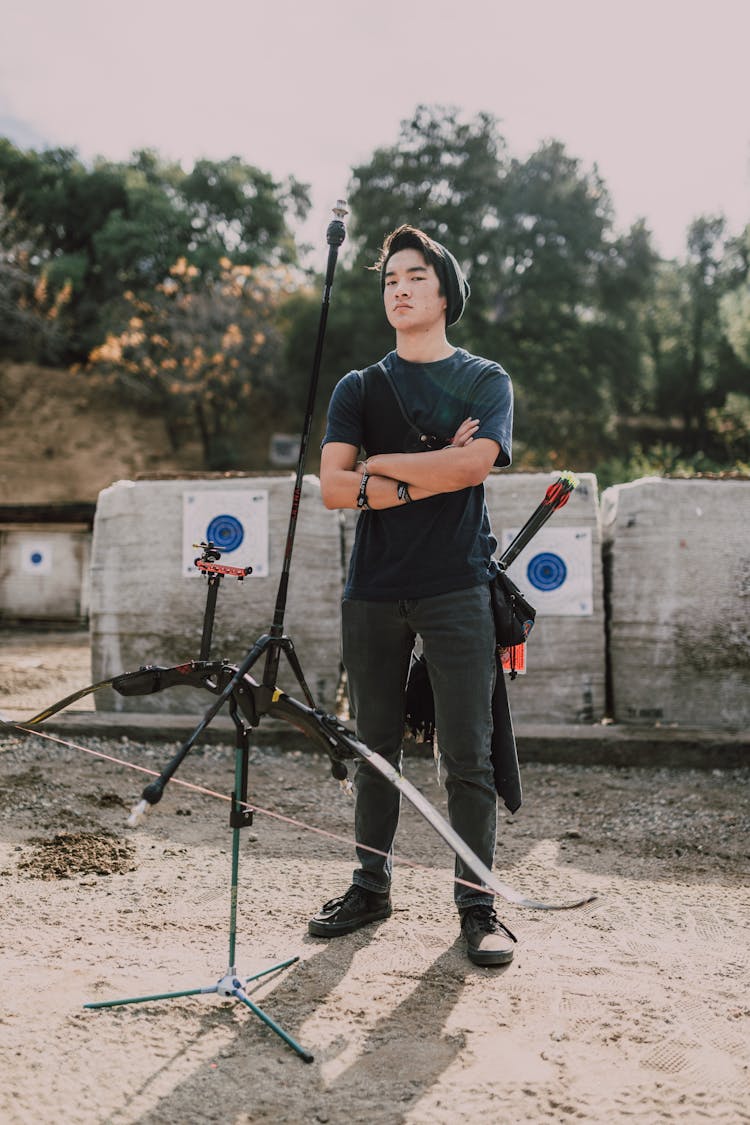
point(60, 705)
point(337, 741)
point(144, 681)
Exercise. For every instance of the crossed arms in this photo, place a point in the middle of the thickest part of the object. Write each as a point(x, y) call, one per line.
point(462, 464)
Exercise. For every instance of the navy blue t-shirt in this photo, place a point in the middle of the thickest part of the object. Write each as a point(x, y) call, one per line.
point(445, 542)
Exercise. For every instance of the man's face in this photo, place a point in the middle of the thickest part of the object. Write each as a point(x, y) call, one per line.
point(412, 293)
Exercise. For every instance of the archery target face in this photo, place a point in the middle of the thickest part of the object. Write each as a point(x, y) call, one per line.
point(554, 571)
point(36, 555)
point(237, 522)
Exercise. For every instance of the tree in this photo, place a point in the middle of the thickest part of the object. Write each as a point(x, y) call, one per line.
point(695, 367)
point(444, 174)
point(31, 323)
point(54, 206)
point(555, 293)
point(238, 211)
point(734, 308)
point(204, 348)
point(565, 318)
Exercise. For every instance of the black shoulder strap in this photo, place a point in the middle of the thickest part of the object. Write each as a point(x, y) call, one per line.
point(386, 425)
point(378, 375)
point(396, 394)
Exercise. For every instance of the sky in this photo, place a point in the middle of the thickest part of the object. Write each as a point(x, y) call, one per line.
point(656, 93)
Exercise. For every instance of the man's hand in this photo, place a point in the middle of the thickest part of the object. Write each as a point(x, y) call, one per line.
point(464, 434)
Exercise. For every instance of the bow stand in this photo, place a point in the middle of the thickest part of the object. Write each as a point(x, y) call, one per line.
point(248, 700)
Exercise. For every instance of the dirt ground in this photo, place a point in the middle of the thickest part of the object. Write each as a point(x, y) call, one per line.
point(635, 1007)
point(76, 437)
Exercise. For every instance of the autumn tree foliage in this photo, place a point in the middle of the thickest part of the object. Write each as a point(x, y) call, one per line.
point(204, 349)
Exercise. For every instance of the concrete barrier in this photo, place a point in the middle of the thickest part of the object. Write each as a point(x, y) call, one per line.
point(679, 614)
point(44, 573)
point(145, 610)
point(677, 552)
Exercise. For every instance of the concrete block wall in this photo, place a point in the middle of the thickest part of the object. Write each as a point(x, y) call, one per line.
point(44, 573)
point(679, 614)
point(145, 611)
point(678, 559)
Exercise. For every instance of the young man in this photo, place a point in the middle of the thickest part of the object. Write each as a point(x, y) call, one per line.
point(421, 565)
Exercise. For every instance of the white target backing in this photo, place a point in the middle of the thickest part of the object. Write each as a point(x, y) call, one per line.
point(237, 522)
point(36, 555)
point(555, 570)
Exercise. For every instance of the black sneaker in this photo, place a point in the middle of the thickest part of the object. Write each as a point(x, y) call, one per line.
point(488, 941)
point(354, 909)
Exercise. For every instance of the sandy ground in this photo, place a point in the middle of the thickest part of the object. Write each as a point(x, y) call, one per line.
point(635, 1007)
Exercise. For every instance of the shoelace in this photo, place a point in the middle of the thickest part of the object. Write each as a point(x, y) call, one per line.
point(493, 923)
point(353, 892)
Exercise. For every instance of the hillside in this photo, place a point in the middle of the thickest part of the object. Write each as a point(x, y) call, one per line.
point(62, 439)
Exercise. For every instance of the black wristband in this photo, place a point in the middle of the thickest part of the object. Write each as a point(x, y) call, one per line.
point(403, 491)
point(362, 494)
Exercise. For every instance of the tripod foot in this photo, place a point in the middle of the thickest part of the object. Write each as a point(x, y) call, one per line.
point(231, 985)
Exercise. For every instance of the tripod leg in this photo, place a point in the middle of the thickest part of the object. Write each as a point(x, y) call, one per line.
point(156, 996)
point(228, 986)
point(272, 969)
point(240, 994)
point(291, 655)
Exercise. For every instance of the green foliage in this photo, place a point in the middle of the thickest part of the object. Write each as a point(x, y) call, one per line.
point(594, 330)
point(730, 424)
point(554, 293)
point(357, 334)
point(734, 307)
point(661, 460)
point(692, 359)
point(32, 325)
point(238, 211)
point(735, 318)
point(443, 174)
point(116, 227)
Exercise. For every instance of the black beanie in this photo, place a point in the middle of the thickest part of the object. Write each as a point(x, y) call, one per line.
point(452, 282)
point(454, 285)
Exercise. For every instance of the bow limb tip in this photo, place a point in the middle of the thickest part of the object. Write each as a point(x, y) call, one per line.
point(137, 814)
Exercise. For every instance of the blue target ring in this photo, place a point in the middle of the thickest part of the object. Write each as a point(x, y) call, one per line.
point(226, 532)
point(546, 571)
point(37, 557)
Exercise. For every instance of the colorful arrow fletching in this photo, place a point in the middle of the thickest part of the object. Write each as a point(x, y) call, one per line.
point(555, 497)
